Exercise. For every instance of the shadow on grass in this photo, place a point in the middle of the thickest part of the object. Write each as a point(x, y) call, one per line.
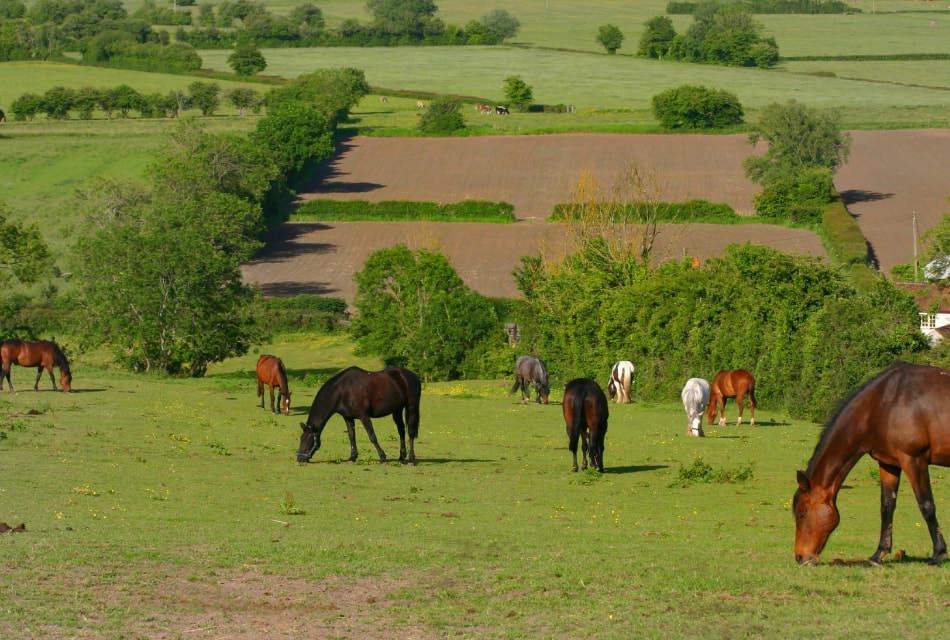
point(902, 559)
point(88, 390)
point(635, 468)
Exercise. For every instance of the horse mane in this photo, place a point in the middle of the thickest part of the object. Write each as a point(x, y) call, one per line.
point(59, 358)
point(831, 424)
point(284, 385)
point(330, 384)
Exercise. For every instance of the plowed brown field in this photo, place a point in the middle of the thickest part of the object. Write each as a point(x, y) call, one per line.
point(889, 175)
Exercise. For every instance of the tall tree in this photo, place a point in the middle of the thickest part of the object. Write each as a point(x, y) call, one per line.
point(610, 37)
point(247, 59)
point(24, 257)
point(409, 17)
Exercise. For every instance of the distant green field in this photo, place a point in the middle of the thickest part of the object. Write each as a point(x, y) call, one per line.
point(923, 73)
point(593, 81)
point(153, 509)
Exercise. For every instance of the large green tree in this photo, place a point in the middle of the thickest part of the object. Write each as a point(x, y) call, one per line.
point(24, 257)
point(247, 59)
point(610, 37)
point(656, 40)
point(518, 93)
point(410, 17)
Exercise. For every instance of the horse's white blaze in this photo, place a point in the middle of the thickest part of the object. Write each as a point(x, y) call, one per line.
point(695, 396)
point(621, 377)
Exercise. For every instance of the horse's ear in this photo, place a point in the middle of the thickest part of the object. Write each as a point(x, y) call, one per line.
point(803, 483)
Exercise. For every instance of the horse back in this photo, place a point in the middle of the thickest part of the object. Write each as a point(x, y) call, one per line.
point(584, 396)
point(729, 384)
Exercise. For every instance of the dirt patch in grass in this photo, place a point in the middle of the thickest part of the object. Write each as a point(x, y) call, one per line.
point(170, 604)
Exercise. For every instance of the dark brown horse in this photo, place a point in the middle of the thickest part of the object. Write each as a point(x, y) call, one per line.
point(42, 354)
point(731, 384)
point(271, 372)
point(361, 395)
point(585, 416)
point(899, 418)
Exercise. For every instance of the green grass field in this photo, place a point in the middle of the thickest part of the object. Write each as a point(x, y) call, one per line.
point(143, 495)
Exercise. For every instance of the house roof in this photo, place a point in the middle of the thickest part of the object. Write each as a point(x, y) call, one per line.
point(928, 295)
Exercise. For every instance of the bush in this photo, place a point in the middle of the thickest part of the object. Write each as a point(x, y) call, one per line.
point(295, 133)
point(26, 106)
point(332, 91)
point(658, 37)
point(443, 116)
point(304, 312)
point(696, 107)
point(799, 197)
point(204, 95)
point(246, 59)
point(518, 93)
point(465, 211)
point(57, 102)
point(690, 211)
point(610, 37)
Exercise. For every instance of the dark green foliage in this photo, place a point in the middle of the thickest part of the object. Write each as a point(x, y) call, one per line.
point(656, 40)
point(696, 107)
point(119, 49)
point(154, 14)
point(754, 307)
point(244, 98)
point(20, 41)
point(308, 14)
point(691, 211)
point(799, 137)
point(411, 17)
point(159, 271)
point(443, 116)
point(204, 95)
point(332, 91)
point(724, 34)
point(465, 211)
point(57, 102)
point(125, 99)
point(24, 257)
point(517, 93)
point(295, 133)
point(701, 472)
point(26, 106)
point(771, 6)
point(800, 196)
point(842, 235)
point(415, 311)
point(303, 312)
point(246, 59)
point(498, 26)
point(610, 37)
point(12, 9)
point(86, 100)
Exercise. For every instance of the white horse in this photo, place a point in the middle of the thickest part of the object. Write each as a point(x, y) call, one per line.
point(621, 377)
point(695, 397)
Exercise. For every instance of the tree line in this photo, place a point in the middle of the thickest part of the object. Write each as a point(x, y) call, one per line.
point(59, 102)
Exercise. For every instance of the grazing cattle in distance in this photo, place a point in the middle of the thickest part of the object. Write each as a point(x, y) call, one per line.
point(899, 418)
point(271, 372)
point(501, 110)
point(731, 384)
point(621, 377)
point(383, 99)
point(585, 416)
point(357, 394)
point(531, 370)
point(486, 110)
point(695, 397)
point(42, 354)
point(420, 104)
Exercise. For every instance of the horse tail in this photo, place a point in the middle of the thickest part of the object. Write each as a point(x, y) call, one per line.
point(412, 405)
point(577, 417)
point(752, 399)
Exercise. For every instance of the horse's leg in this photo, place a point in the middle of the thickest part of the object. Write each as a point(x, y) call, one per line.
point(585, 446)
point(721, 406)
point(919, 476)
point(412, 422)
point(368, 424)
point(572, 445)
point(740, 402)
point(52, 378)
point(39, 374)
point(525, 391)
point(752, 406)
point(260, 392)
point(5, 373)
point(890, 481)
point(351, 432)
point(401, 429)
point(272, 409)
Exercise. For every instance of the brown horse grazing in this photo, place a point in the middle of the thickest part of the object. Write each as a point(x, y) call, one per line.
point(585, 415)
point(271, 372)
point(899, 418)
point(360, 395)
point(731, 384)
point(42, 354)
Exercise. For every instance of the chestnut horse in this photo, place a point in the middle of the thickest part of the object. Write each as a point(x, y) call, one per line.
point(585, 416)
point(899, 418)
point(42, 354)
point(358, 394)
point(271, 372)
point(731, 384)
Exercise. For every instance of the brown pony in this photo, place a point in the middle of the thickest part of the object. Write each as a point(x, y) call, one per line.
point(899, 418)
point(42, 354)
point(731, 384)
point(270, 371)
point(585, 416)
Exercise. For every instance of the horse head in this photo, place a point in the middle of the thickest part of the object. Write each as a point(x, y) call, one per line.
point(285, 402)
point(611, 388)
point(66, 380)
point(309, 442)
point(816, 516)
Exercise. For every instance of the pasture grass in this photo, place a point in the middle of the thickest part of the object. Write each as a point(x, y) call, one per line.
point(137, 489)
point(594, 82)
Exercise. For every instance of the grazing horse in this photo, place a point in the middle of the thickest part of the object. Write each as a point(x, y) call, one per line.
point(383, 99)
point(695, 396)
point(42, 354)
point(731, 384)
point(420, 104)
point(531, 370)
point(502, 110)
point(271, 372)
point(899, 418)
point(621, 375)
point(585, 416)
point(360, 395)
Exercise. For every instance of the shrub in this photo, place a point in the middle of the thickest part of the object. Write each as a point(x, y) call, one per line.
point(125, 99)
point(204, 95)
point(26, 106)
point(610, 37)
point(443, 116)
point(518, 93)
point(244, 98)
point(303, 312)
point(246, 59)
point(658, 37)
point(294, 133)
point(332, 91)
point(799, 196)
point(696, 107)
point(57, 102)
point(690, 211)
point(465, 211)
point(498, 25)
point(86, 101)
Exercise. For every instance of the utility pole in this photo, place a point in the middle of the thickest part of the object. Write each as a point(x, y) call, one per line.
point(916, 265)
